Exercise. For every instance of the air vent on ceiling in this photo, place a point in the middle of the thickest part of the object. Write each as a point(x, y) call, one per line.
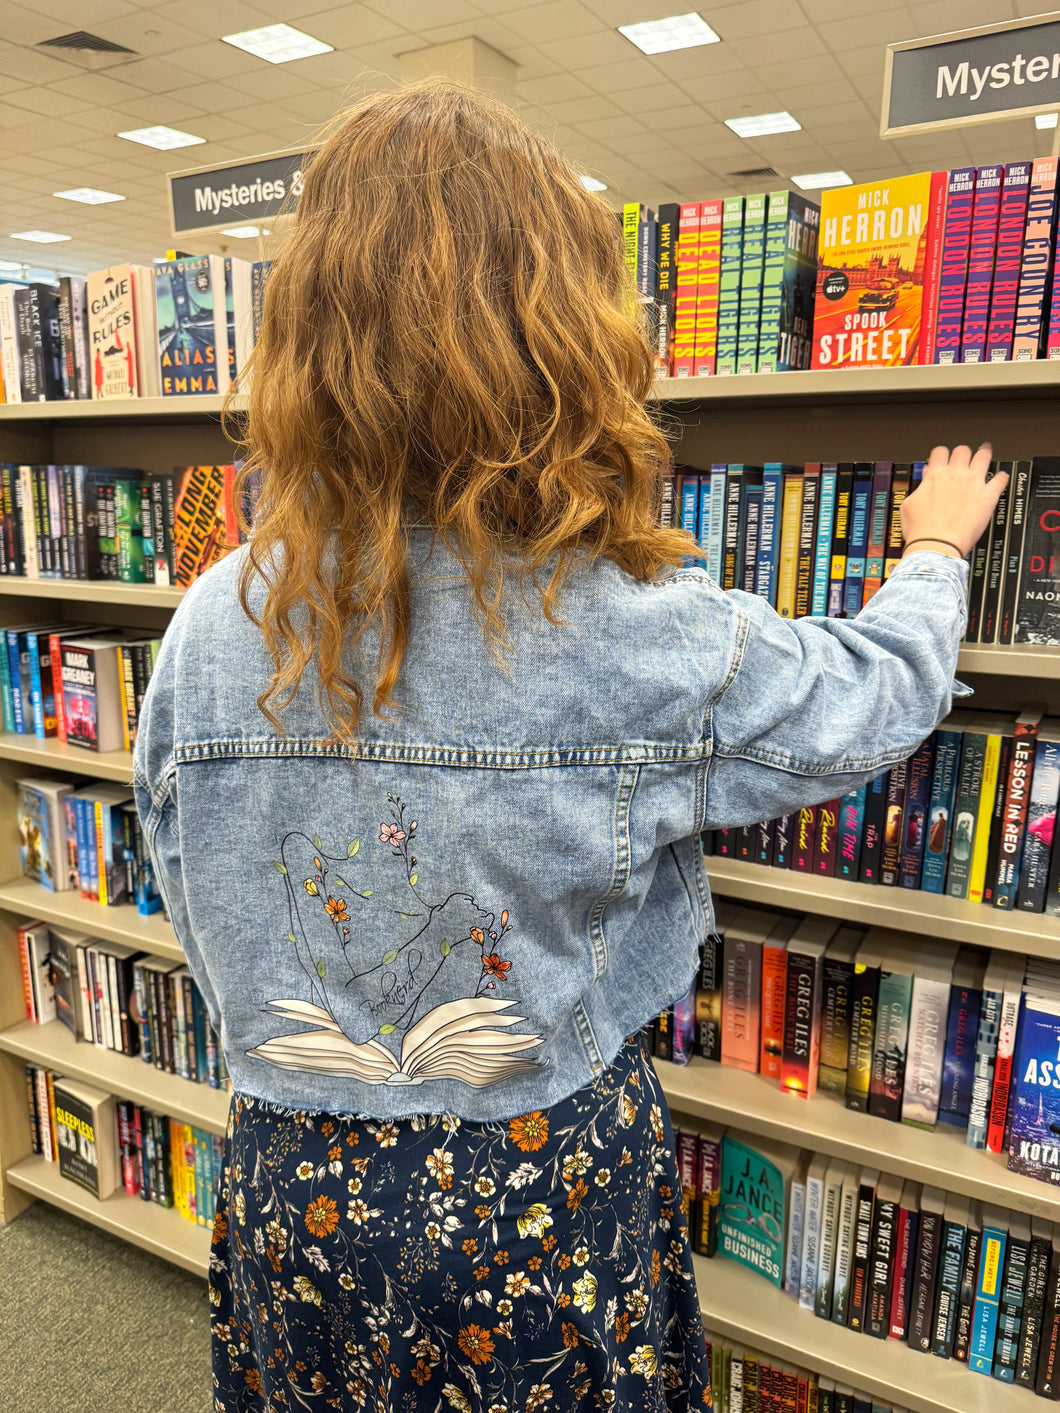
point(84, 42)
point(753, 173)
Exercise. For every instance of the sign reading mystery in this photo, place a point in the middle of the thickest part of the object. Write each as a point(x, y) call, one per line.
point(972, 76)
point(206, 198)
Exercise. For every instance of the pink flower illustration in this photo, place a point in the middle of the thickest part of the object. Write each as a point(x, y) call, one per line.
point(390, 834)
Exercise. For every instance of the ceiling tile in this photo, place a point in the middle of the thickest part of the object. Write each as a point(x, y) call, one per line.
point(942, 16)
point(653, 99)
point(155, 75)
point(750, 17)
point(623, 78)
point(792, 46)
point(218, 61)
point(585, 51)
point(281, 84)
point(883, 28)
point(162, 108)
point(583, 110)
point(558, 19)
point(210, 97)
point(97, 88)
point(211, 18)
point(415, 15)
point(31, 65)
point(349, 26)
point(556, 88)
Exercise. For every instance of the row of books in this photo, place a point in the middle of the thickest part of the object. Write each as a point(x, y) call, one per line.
point(894, 1259)
point(120, 999)
point(744, 1381)
point(86, 840)
point(971, 814)
point(102, 1144)
point(182, 328)
point(938, 267)
point(823, 538)
point(909, 1029)
point(128, 526)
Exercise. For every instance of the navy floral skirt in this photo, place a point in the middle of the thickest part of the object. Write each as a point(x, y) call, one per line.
point(541, 1263)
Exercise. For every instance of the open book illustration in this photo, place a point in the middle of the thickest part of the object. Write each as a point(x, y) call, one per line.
point(431, 994)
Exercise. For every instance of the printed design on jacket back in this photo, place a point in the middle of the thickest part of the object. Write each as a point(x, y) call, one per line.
point(433, 995)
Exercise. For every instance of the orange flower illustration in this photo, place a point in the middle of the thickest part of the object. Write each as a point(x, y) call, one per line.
point(570, 1334)
point(493, 964)
point(529, 1131)
point(477, 935)
point(476, 1343)
point(322, 1216)
point(336, 907)
point(575, 1195)
point(622, 1327)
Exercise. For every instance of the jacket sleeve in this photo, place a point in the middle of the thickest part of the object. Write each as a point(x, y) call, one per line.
point(814, 707)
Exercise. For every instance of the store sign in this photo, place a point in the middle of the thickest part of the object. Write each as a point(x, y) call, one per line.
point(972, 76)
point(206, 198)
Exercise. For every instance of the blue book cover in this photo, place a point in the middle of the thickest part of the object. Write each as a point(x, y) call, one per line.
point(187, 326)
point(752, 522)
point(940, 810)
point(854, 583)
point(6, 698)
point(689, 510)
point(230, 319)
point(823, 552)
point(958, 1064)
point(37, 848)
point(1034, 1134)
point(712, 534)
point(918, 474)
point(769, 530)
point(1041, 824)
point(914, 818)
point(987, 1296)
point(36, 696)
point(14, 669)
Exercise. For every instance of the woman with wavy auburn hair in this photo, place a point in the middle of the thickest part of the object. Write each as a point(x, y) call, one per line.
point(423, 769)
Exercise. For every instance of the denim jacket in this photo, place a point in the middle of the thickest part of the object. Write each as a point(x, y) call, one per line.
point(468, 913)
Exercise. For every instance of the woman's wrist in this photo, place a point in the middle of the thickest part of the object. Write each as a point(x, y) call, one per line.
point(934, 546)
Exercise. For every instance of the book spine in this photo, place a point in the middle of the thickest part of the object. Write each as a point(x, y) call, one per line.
point(936, 231)
point(965, 814)
point(983, 1075)
point(905, 1243)
point(891, 855)
point(940, 811)
point(774, 991)
point(951, 1262)
point(768, 537)
point(686, 262)
point(995, 566)
point(958, 1067)
point(962, 1332)
point(732, 532)
point(982, 243)
point(811, 1244)
point(729, 285)
point(823, 549)
point(840, 537)
point(751, 270)
point(922, 1090)
point(881, 1268)
point(791, 522)
point(853, 584)
point(1033, 1312)
point(996, 761)
point(877, 532)
point(925, 1269)
point(805, 836)
point(873, 829)
point(1041, 812)
point(1036, 261)
point(1008, 257)
point(892, 1039)
point(987, 1299)
point(826, 839)
point(802, 1012)
point(1047, 1378)
point(1014, 817)
point(862, 1038)
point(844, 1253)
point(915, 814)
point(851, 820)
point(666, 287)
point(796, 1237)
point(997, 1113)
point(837, 979)
point(1019, 489)
point(859, 1266)
point(708, 280)
point(822, 1305)
point(1010, 1310)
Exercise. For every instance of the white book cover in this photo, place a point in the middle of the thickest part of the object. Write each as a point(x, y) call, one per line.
point(30, 557)
point(796, 1229)
point(9, 360)
point(928, 1015)
point(97, 966)
point(38, 945)
point(242, 323)
point(833, 1189)
point(112, 333)
point(844, 1250)
point(148, 371)
point(811, 1240)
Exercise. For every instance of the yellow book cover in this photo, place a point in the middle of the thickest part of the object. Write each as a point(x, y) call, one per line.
point(101, 853)
point(176, 1165)
point(871, 260)
point(981, 841)
point(790, 522)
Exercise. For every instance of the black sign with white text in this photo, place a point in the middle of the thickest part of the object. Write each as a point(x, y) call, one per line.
point(973, 76)
point(250, 191)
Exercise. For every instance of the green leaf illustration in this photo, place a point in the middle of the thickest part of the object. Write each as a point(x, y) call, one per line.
point(368, 894)
point(387, 1029)
point(321, 968)
point(279, 867)
point(352, 848)
point(316, 841)
point(412, 880)
point(389, 957)
point(445, 948)
point(291, 937)
point(339, 882)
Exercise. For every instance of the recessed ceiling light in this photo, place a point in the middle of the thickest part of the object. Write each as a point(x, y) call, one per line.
point(675, 32)
point(10, 265)
point(1045, 120)
point(242, 232)
point(278, 43)
point(161, 137)
point(89, 195)
point(39, 237)
point(821, 181)
point(591, 184)
point(762, 124)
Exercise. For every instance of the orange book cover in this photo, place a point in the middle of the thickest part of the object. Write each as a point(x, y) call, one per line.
point(707, 288)
point(872, 272)
point(686, 262)
point(203, 518)
point(774, 989)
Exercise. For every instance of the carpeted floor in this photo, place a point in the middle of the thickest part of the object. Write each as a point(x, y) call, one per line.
point(91, 1324)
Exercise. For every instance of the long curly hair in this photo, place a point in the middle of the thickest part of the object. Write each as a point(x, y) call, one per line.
point(450, 328)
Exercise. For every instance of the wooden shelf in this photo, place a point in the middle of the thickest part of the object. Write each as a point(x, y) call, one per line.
point(706, 1090)
point(908, 909)
point(52, 754)
point(127, 1077)
point(742, 1306)
point(68, 909)
point(1002, 661)
point(952, 383)
point(92, 591)
point(202, 408)
point(160, 1230)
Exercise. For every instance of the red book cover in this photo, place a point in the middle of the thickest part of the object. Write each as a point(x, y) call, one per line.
point(686, 263)
point(904, 1251)
point(805, 838)
point(872, 261)
point(1007, 261)
point(55, 653)
point(953, 277)
point(802, 1019)
point(708, 282)
point(933, 266)
point(1036, 263)
point(774, 987)
point(983, 241)
point(825, 839)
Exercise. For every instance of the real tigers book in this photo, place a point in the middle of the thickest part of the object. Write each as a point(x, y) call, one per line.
point(1008, 258)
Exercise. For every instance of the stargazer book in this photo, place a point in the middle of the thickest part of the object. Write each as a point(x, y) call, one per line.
point(878, 261)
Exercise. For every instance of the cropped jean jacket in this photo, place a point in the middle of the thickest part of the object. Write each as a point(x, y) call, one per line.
point(468, 910)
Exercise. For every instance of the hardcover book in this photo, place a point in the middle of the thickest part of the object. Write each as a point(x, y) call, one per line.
point(1037, 611)
point(844, 1251)
point(802, 1009)
point(1032, 307)
point(785, 337)
point(988, 1290)
point(1041, 821)
point(985, 214)
point(708, 282)
point(729, 285)
point(941, 802)
point(87, 1133)
point(205, 527)
point(905, 1244)
point(1008, 258)
point(755, 1175)
point(962, 1030)
point(751, 266)
point(960, 196)
point(892, 1027)
point(915, 814)
point(742, 987)
point(1014, 810)
point(951, 1265)
point(863, 1021)
point(837, 999)
point(686, 264)
point(882, 1255)
point(925, 1268)
point(112, 332)
point(774, 991)
point(41, 824)
point(192, 326)
point(862, 1250)
point(1034, 1133)
point(929, 1012)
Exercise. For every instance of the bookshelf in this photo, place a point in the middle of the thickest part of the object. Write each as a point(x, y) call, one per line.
point(892, 413)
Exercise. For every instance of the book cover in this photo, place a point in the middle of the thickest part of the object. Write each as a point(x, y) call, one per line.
point(872, 255)
point(729, 284)
point(1016, 800)
point(785, 338)
point(755, 1175)
point(982, 244)
point(915, 814)
point(41, 826)
point(708, 281)
point(941, 803)
point(751, 267)
point(862, 1250)
point(960, 196)
point(863, 1022)
point(988, 1290)
point(204, 527)
point(892, 1029)
point(1008, 259)
point(1034, 1134)
point(951, 1264)
point(1037, 612)
point(1032, 308)
point(91, 693)
point(112, 332)
point(882, 1256)
point(929, 1012)
point(962, 1031)
point(925, 1268)
point(837, 998)
point(891, 853)
point(1041, 821)
point(686, 265)
point(87, 1136)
